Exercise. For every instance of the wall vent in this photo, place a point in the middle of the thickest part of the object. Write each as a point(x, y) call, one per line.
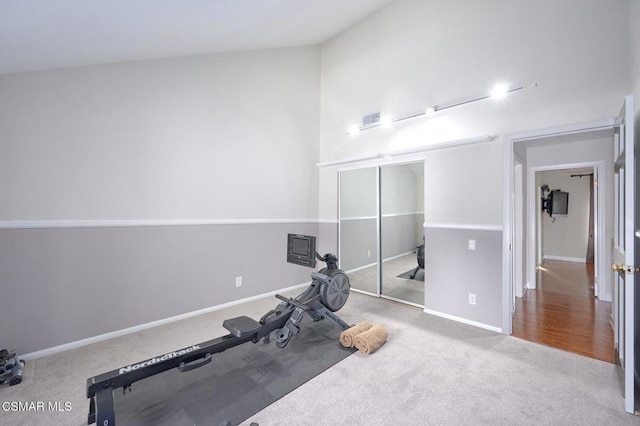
point(371, 119)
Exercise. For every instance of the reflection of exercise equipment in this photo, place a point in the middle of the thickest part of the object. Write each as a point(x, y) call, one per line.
point(10, 368)
point(420, 257)
point(327, 293)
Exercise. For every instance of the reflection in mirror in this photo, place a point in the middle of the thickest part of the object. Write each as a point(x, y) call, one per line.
point(358, 228)
point(402, 232)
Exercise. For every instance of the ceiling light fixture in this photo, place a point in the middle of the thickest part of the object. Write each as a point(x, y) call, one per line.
point(499, 92)
point(354, 130)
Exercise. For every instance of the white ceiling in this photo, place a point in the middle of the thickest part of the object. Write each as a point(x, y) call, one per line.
point(47, 34)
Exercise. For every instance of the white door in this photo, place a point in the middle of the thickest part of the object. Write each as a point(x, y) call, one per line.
point(624, 265)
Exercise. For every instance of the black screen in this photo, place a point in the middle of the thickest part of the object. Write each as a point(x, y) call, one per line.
point(300, 246)
point(301, 250)
point(559, 203)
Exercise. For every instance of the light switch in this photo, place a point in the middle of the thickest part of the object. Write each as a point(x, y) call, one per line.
point(472, 244)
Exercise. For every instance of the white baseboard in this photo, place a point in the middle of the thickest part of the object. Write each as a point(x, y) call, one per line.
point(359, 268)
point(463, 320)
point(611, 322)
point(129, 330)
point(398, 256)
point(523, 290)
point(564, 258)
point(406, 302)
point(605, 297)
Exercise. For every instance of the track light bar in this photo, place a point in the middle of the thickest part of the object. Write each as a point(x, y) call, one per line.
point(498, 92)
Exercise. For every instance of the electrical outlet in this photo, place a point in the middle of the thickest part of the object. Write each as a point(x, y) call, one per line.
point(472, 299)
point(238, 281)
point(472, 244)
point(368, 253)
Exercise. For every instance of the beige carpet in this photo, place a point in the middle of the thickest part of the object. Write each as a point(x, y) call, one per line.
point(430, 372)
point(436, 372)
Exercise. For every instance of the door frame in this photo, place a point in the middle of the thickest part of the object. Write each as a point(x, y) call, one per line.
point(508, 199)
point(518, 227)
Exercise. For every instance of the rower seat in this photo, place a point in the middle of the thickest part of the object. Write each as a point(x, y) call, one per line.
point(242, 327)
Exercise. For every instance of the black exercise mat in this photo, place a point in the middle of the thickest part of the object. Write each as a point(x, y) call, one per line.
point(235, 385)
point(407, 275)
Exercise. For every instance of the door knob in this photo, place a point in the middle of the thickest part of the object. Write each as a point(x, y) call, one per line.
point(618, 268)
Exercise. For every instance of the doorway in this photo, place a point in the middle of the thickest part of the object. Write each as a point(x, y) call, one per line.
point(616, 132)
point(565, 301)
point(381, 217)
point(561, 307)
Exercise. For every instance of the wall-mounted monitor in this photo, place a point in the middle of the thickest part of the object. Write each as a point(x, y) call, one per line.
point(558, 203)
point(301, 250)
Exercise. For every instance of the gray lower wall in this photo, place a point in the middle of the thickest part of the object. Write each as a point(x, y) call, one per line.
point(60, 285)
point(401, 234)
point(327, 241)
point(358, 243)
point(452, 271)
point(359, 247)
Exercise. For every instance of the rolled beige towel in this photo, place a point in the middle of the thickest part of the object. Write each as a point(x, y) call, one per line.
point(370, 340)
point(347, 337)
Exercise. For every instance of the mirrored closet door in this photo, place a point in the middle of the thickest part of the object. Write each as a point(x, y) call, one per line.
point(381, 216)
point(358, 218)
point(402, 232)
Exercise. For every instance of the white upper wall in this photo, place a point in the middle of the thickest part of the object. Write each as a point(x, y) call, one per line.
point(415, 53)
point(634, 36)
point(224, 136)
point(236, 135)
point(634, 48)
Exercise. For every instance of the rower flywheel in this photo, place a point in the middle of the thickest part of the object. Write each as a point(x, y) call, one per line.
point(335, 292)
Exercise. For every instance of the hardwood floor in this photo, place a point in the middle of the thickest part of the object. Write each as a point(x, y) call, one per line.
point(563, 312)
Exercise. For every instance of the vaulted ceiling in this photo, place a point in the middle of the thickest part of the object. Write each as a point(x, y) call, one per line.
point(46, 34)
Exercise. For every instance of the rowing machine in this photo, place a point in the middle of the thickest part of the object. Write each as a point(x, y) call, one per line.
point(327, 293)
point(10, 368)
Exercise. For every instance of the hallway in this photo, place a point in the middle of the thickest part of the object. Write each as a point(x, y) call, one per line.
point(563, 312)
